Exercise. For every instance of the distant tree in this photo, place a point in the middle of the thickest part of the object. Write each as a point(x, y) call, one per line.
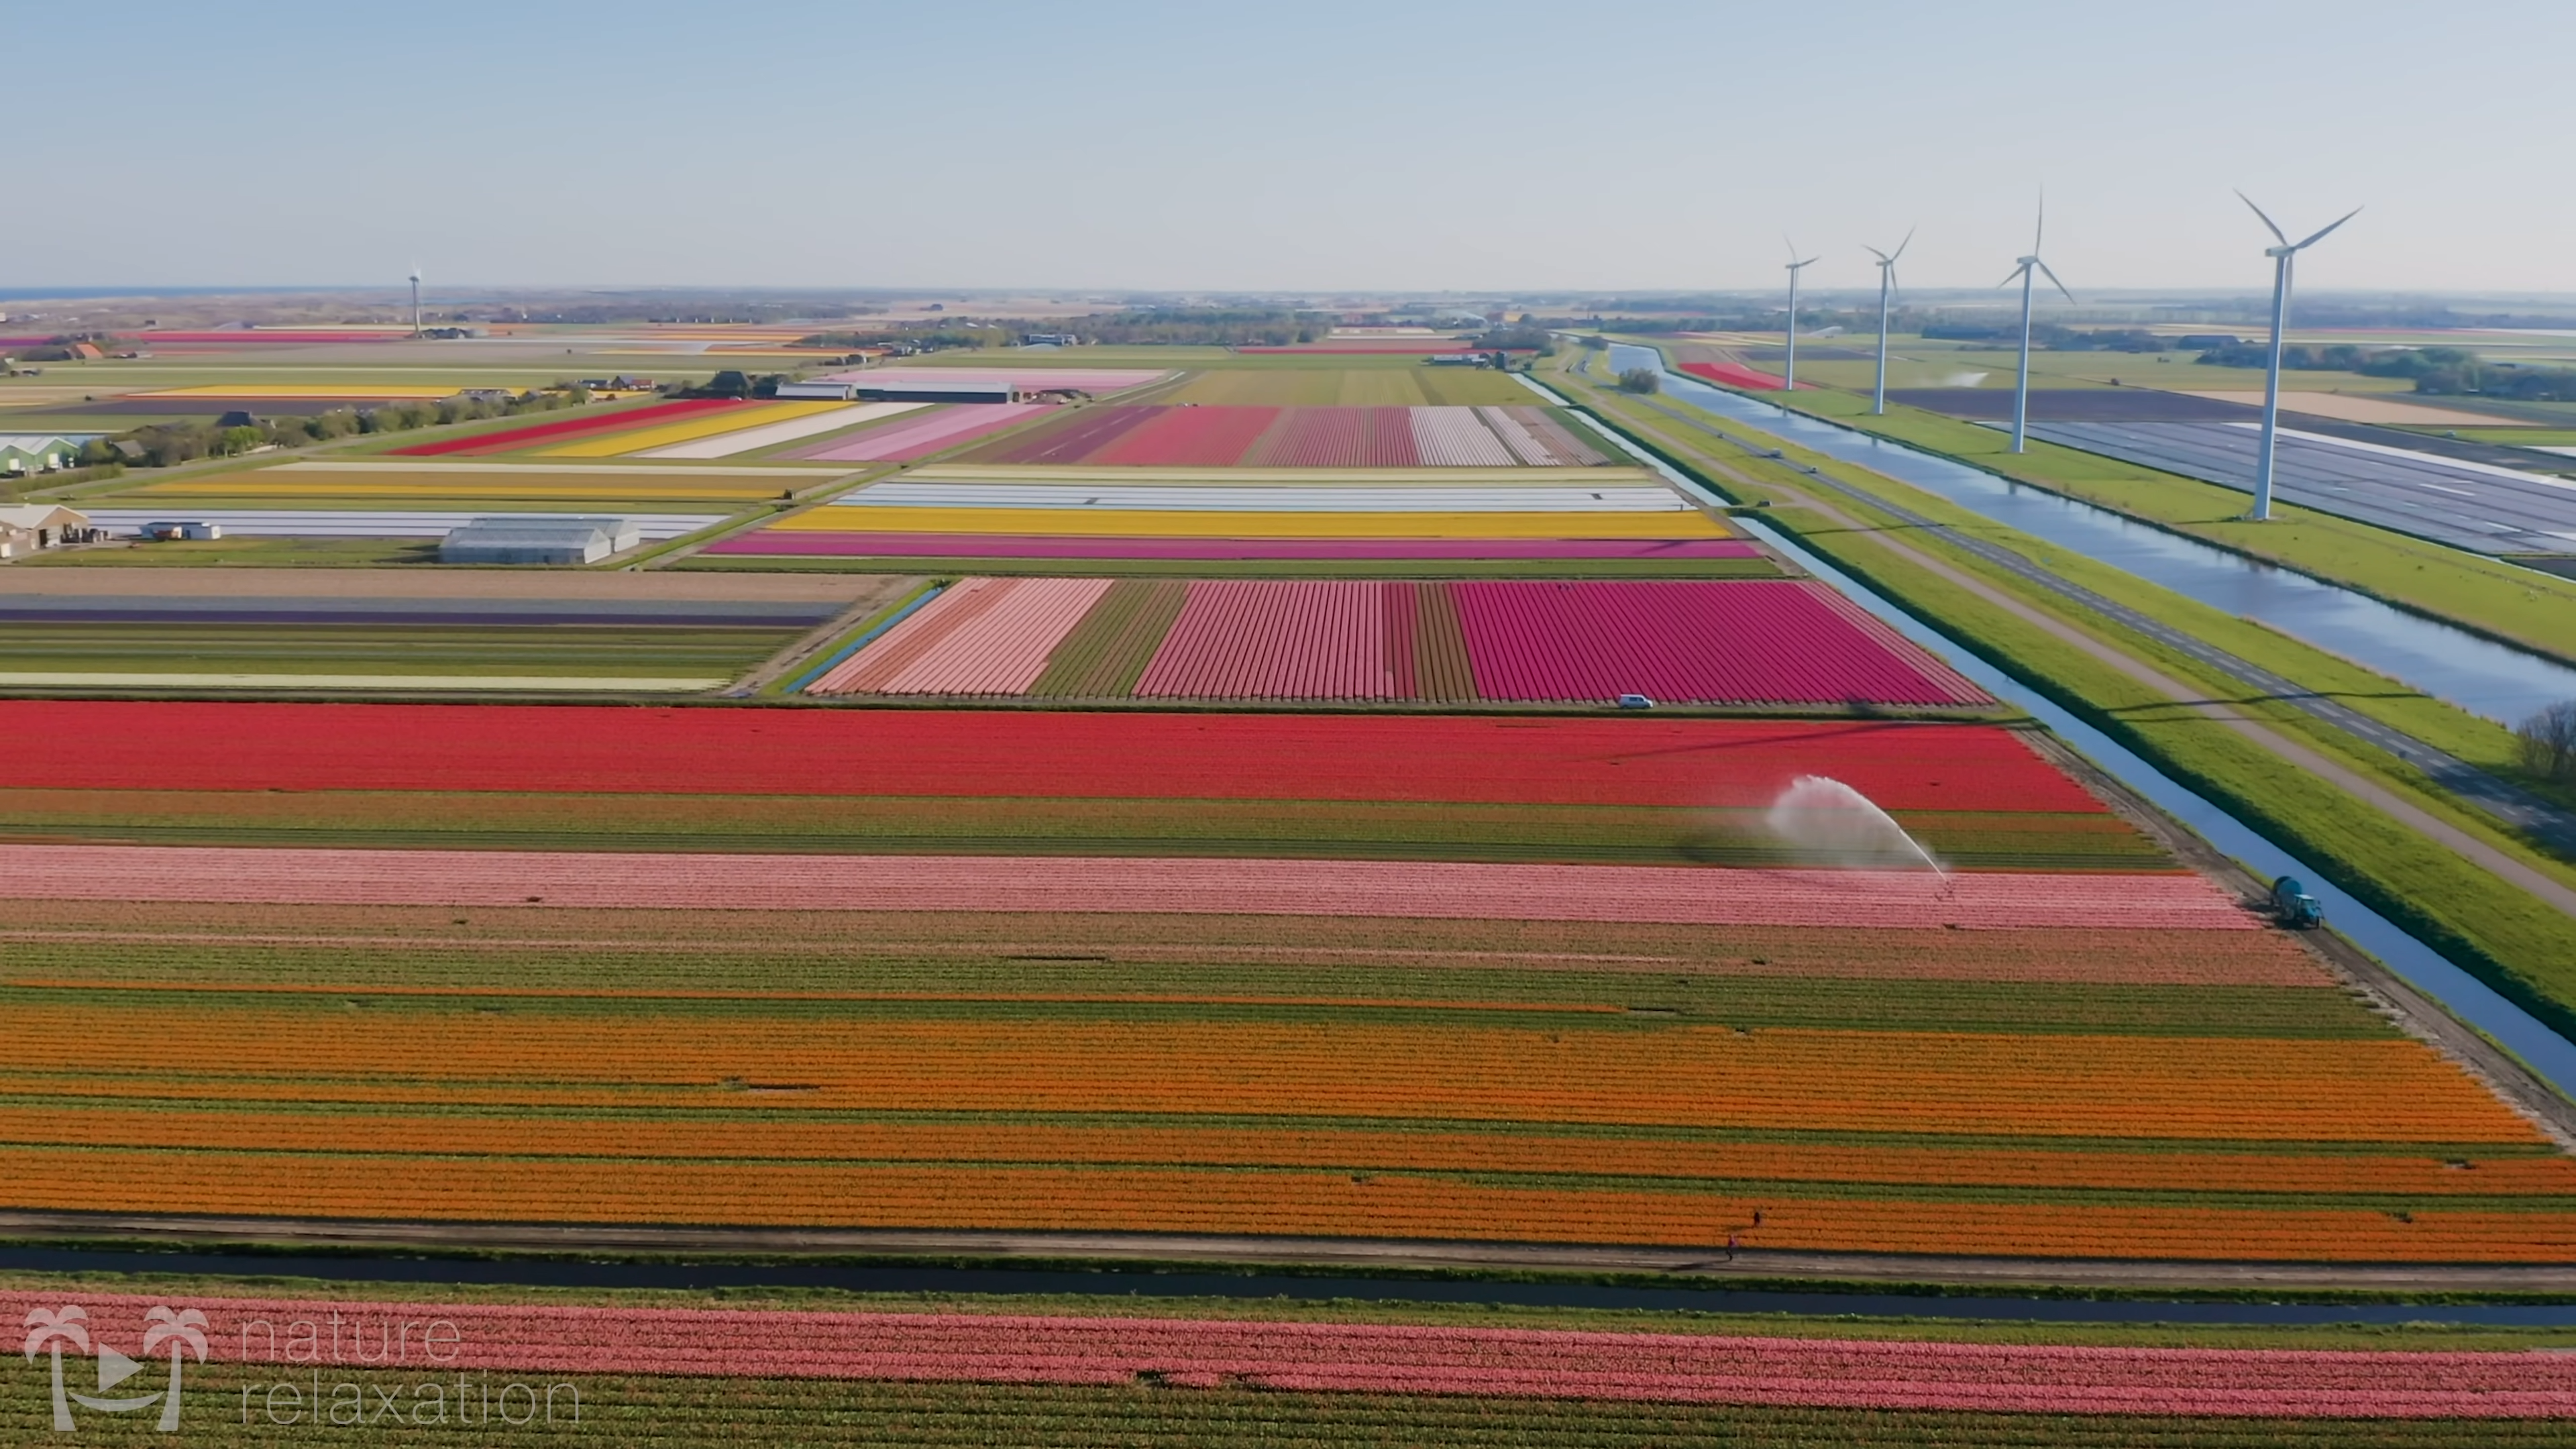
point(2548, 741)
point(1641, 380)
point(729, 383)
point(337, 423)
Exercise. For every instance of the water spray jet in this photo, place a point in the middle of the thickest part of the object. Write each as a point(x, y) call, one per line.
point(1830, 821)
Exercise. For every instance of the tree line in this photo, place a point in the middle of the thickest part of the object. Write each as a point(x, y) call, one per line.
point(2453, 371)
point(163, 445)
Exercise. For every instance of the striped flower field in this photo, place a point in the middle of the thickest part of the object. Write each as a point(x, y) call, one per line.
point(903, 442)
point(520, 1339)
point(1148, 435)
point(1739, 642)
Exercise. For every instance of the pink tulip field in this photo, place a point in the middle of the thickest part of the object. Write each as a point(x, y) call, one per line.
point(1360, 1358)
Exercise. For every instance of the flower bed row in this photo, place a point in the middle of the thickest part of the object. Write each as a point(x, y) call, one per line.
point(819, 543)
point(1145, 435)
point(1379, 1358)
point(1889, 900)
point(903, 442)
point(1660, 761)
point(1747, 641)
point(509, 440)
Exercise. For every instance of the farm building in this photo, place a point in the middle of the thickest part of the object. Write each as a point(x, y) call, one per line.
point(860, 389)
point(538, 540)
point(32, 526)
point(37, 452)
point(173, 530)
point(837, 391)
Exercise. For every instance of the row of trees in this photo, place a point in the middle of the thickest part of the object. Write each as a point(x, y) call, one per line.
point(1201, 327)
point(162, 445)
point(2442, 370)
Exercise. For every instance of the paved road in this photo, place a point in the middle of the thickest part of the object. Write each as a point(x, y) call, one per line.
point(2475, 506)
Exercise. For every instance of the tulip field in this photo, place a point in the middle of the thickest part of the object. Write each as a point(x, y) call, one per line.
point(1749, 641)
point(1259, 810)
point(524, 1340)
point(1162, 515)
point(1666, 791)
point(1537, 980)
point(1149, 435)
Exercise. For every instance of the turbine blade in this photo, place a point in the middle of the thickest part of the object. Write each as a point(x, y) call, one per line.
point(2040, 225)
point(2267, 221)
point(2052, 279)
point(2014, 275)
point(1883, 258)
point(2321, 236)
point(1901, 246)
point(1792, 246)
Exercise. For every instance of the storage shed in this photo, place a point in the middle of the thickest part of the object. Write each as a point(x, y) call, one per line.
point(167, 530)
point(538, 540)
point(38, 452)
point(32, 526)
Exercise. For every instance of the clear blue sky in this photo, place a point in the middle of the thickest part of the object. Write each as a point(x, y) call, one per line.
point(1312, 144)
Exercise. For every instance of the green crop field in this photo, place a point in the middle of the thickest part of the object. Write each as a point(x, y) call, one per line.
point(1329, 829)
point(538, 650)
point(684, 1413)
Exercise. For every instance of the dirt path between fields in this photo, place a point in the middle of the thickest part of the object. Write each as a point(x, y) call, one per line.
point(1356, 1254)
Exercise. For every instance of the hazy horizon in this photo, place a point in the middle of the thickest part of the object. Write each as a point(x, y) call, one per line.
point(1334, 148)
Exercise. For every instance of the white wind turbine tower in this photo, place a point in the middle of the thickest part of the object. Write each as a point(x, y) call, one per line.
point(1789, 372)
point(415, 299)
point(2023, 270)
point(2284, 257)
point(1886, 287)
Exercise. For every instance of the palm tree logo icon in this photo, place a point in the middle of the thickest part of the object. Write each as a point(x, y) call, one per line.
point(49, 1329)
point(181, 1332)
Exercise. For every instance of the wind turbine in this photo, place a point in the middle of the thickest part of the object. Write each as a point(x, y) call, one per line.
point(415, 299)
point(1789, 372)
point(2023, 270)
point(2284, 257)
point(1886, 287)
